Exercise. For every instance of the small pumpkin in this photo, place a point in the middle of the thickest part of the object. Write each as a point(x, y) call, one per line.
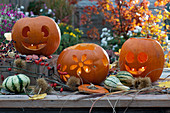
point(113, 83)
point(90, 88)
point(16, 83)
point(87, 61)
point(142, 58)
point(39, 35)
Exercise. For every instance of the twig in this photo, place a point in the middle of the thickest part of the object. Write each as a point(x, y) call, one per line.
point(134, 98)
point(104, 96)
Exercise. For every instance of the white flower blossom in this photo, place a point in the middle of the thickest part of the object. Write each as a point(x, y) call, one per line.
point(129, 33)
point(113, 48)
point(26, 14)
point(104, 29)
point(22, 7)
point(49, 11)
point(41, 10)
point(18, 9)
point(103, 42)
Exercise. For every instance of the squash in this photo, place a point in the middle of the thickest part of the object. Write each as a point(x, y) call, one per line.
point(113, 83)
point(125, 78)
point(16, 83)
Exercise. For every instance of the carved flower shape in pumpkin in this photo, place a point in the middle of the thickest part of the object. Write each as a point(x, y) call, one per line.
point(85, 60)
point(83, 64)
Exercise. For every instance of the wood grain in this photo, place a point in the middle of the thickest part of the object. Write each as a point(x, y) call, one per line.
point(70, 101)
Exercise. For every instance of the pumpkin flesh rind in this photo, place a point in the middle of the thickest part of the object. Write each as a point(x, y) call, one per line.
point(84, 88)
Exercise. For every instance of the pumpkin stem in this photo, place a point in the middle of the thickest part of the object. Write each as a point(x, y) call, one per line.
point(92, 86)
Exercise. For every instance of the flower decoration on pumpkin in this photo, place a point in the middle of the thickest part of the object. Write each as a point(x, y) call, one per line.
point(83, 64)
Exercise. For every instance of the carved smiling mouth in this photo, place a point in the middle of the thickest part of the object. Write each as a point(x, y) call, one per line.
point(135, 71)
point(34, 46)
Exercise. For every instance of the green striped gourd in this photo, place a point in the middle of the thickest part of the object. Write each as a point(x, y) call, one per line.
point(125, 78)
point(113, 83)
point(16, 83)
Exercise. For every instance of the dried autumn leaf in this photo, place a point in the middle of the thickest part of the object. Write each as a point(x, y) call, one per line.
point(38, 97)
point(164, 84)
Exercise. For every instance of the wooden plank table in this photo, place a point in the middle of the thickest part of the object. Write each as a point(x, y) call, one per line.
point(73, 103)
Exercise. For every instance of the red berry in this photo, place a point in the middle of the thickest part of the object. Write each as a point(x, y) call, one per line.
point(63, 73)
point(37, 62)
point(42, 63)
point(55, 84)
point(46, 64)
point(48, 68)
point(17, 56)
point(61, 90)
point(2, 78)
point(59, 66)
point(50, 57)
point(40, 59)
point(51, 85)
point(27, 58)
point(9, 69)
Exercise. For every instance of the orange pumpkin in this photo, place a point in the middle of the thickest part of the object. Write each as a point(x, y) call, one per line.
point(87, 61)
point(142, 57)
point(39, 35)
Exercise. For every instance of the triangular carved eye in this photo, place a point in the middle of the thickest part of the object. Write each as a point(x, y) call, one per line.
point(25, 31)
point(129, 57)
point(45, 30)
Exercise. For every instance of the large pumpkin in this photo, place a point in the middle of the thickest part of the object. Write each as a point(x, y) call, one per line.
point(142, 57)
point(39, 35)
point(88, 61)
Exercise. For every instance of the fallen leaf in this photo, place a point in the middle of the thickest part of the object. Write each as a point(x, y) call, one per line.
point(38, 97)
point(164, 84)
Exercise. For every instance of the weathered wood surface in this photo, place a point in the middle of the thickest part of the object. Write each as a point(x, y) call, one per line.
point(72, 101)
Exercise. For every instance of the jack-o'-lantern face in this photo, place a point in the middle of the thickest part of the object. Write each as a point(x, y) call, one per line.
point(39, 35)
point(142, 57)
point(87, 61)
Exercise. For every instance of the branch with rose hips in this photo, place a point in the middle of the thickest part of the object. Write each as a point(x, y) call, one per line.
point(54, 79)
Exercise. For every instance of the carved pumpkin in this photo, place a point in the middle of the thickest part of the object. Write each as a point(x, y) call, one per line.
point(39, 35)
point(88, 61)
point(142, 57)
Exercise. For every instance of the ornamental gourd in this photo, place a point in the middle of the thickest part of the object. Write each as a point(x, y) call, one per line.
point(87, 61)
point(16, 83)
point(39, 35)
point(142, 58)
